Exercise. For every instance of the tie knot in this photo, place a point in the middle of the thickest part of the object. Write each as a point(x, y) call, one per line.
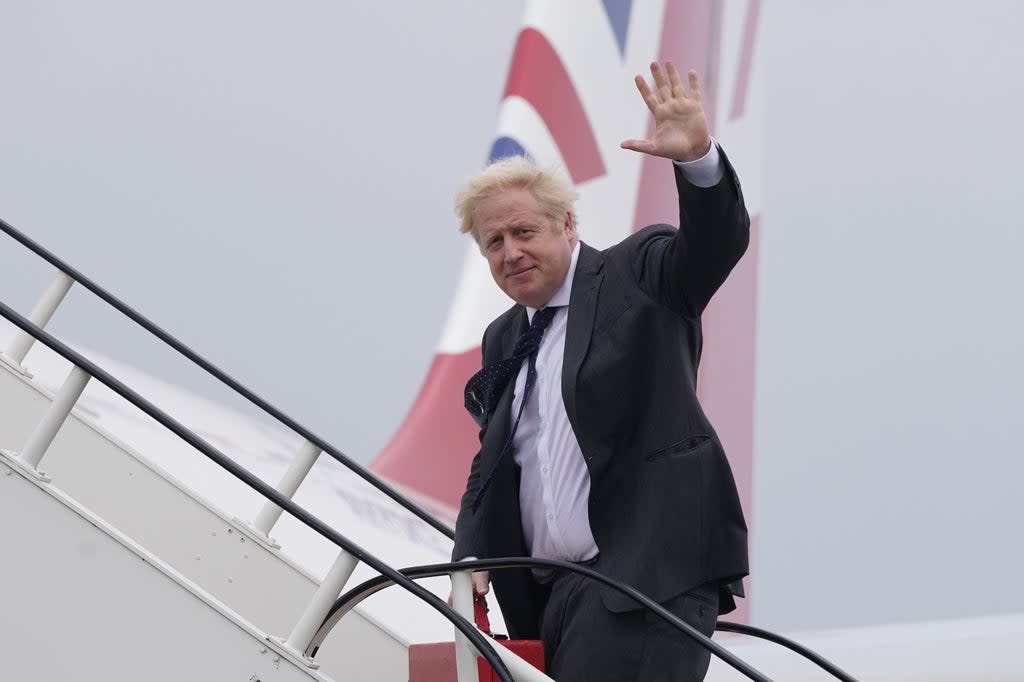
point(542, 318)
point(529, 342)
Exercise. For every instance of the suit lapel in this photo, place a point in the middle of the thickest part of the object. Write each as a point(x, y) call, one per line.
point(514, 330)
point(586, 285)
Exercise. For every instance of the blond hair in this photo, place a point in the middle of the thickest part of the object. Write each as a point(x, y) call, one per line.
point(552, 190)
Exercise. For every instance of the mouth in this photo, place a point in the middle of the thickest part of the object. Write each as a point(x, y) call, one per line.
point(519, 273)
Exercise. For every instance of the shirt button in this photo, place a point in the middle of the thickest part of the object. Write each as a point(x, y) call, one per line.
point(544, 469)
point(551, 517)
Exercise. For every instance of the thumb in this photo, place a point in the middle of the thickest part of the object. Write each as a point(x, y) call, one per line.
point(481, 582)
point(642, 146)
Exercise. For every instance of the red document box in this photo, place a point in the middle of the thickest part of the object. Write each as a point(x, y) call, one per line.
point(436, 662)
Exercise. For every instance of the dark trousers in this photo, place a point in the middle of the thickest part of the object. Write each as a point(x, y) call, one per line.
point(585, 642)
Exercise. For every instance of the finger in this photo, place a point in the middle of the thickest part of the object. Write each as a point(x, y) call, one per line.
point(660, 82)
point(645, 91)
point(481, 582)
point(694, 85)
point(674, 80)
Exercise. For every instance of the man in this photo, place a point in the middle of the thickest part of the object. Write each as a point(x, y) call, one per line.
point(594, 448)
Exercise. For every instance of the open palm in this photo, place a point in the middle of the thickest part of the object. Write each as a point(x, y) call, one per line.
point(681, 127)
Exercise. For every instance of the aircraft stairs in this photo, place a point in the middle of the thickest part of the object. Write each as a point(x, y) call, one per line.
point(115, 568)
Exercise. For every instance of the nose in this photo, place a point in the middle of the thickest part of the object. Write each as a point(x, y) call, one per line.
point(512, 252)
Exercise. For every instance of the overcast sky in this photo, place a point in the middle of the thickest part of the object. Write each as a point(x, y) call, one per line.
point(271, 182)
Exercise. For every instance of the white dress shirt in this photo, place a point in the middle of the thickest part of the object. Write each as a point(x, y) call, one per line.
point(555, 483)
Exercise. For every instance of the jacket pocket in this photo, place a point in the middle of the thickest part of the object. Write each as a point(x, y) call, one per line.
point(681, 448)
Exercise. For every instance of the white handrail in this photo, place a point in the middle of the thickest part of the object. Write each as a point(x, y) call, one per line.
point(54, 417)
point(320, 605)
point(465, 653)
point(40, 316)
point(462, 602)
point(300, 466)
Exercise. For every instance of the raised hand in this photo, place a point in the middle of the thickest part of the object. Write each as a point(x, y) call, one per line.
point(681, 128)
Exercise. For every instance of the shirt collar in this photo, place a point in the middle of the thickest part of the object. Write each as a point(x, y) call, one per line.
point(561, 297)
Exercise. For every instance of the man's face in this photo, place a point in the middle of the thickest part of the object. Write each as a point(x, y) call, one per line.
point(529, 254)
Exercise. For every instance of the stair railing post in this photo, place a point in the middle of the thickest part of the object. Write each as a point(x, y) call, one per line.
point(466, 654)
point(40, 316)
point(323, 599)
point(54, 417)
point(297, 471)
point(462, 602)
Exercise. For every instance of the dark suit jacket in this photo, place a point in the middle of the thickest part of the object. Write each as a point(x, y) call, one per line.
point(663, 504)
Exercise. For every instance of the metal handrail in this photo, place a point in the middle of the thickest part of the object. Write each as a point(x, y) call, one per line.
point(226, 379)
point(389, 576)
point(760, 633)
point(267, 491)
point(357, 594)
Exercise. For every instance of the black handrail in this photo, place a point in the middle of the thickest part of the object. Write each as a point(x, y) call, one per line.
point(298, 511)
point(357, 594)
point(814, 657)
point(177, 345)
point(239, 472)
point(353, 597)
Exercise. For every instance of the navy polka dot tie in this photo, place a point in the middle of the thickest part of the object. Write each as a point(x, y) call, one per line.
point(484, 389)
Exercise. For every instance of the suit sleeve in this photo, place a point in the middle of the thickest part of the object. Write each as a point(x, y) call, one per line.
point(465, 524)
point(683, 269)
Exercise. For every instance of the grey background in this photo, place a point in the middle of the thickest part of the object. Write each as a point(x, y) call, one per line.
point(887, 457)
point(272, 182)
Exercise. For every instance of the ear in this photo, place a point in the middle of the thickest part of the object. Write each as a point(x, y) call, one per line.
point(570, 225)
